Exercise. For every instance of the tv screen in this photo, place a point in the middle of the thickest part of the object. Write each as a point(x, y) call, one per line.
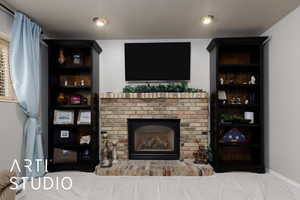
point(157, 61)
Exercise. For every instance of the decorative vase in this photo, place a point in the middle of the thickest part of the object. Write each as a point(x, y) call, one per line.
point(61, 57)
point(114, 152)
point(105, 160)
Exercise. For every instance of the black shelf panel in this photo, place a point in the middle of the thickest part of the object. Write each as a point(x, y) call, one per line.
point(239, 66)
point(74, 87)
point(238, 125)
point(242, 106)
point(73, 125)
point(239, 145)
point(85, 107)
point(73, 69)
point(245, 166)
point(238, 86)
point(73, 146)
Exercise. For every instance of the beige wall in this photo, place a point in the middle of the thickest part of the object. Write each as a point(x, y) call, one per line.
point(283, 96)
point(112, 63)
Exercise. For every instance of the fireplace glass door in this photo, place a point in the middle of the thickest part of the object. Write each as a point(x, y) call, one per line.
point(155, 139)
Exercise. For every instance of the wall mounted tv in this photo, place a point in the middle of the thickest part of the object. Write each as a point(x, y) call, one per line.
point(157, 61)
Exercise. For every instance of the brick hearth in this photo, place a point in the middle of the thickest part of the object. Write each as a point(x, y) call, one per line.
point(190, 108)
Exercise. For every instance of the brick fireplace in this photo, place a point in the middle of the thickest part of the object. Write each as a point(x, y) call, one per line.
point(189, 109)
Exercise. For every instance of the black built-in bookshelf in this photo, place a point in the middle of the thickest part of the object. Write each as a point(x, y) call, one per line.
point(235, 61)
point(86, 68)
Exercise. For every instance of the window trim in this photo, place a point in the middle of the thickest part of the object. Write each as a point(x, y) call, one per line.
point(12, 98)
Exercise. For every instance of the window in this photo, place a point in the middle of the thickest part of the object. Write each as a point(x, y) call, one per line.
point(6, 90)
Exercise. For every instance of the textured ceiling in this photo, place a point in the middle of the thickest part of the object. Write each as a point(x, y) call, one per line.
point(140, 19)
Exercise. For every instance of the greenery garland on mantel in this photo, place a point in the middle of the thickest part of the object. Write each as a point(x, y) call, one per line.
point(171, 87)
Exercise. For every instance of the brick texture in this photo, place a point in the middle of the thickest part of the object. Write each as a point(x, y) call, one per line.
point(190, 108)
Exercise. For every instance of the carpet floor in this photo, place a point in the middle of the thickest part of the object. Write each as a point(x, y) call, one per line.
point(226, 186)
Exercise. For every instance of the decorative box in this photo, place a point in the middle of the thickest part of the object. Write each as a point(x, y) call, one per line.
point(75, 100)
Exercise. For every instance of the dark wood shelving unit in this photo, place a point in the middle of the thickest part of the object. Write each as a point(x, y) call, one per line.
point(235, 61)
point(88, 70)
point(238, 125)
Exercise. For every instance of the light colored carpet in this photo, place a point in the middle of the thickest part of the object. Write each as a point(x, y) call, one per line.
point(227, 186)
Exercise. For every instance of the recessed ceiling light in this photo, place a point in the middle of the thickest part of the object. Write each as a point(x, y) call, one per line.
point(207, 19)
point(100, 21)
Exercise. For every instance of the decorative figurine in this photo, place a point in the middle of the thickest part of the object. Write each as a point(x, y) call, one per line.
point(85, 139)
point(114, 152)
point(201, 155)
point(66, 83)
point(105, 161)
point(82, 82)
point(61, 99)
point(61, 57)
point(182, 153)
point(222, 96)
point(75, 83)
point(231, 81)
point(235, 100)
point(76, 59)
point(85, 100)
point(252, 80)
point(221, 81)
point(246, 101)
point(234, 136)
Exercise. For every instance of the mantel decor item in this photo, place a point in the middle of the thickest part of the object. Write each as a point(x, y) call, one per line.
point(63, 117)
point(173, 87)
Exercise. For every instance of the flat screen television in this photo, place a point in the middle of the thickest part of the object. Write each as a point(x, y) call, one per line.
point(157, 61)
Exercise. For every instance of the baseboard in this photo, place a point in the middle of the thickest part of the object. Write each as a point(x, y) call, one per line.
point(284, 178)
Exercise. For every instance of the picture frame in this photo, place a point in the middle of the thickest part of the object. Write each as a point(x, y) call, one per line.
point(64, 134)
point(63, 117)
point(84, 117)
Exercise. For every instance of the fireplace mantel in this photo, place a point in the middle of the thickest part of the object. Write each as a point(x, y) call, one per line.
point(190, 108)
point(158, 95)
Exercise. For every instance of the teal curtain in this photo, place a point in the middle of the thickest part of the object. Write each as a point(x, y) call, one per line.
point(25, 74)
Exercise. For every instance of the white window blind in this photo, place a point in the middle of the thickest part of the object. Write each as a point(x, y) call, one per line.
point(6, 91)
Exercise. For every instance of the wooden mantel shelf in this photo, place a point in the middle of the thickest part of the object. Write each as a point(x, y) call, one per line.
point(159, 95)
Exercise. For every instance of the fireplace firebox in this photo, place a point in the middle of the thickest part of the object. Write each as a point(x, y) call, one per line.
point(153, 139)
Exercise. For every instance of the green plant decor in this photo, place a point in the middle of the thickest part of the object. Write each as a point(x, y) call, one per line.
point(173, 87)
point(227, 117)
